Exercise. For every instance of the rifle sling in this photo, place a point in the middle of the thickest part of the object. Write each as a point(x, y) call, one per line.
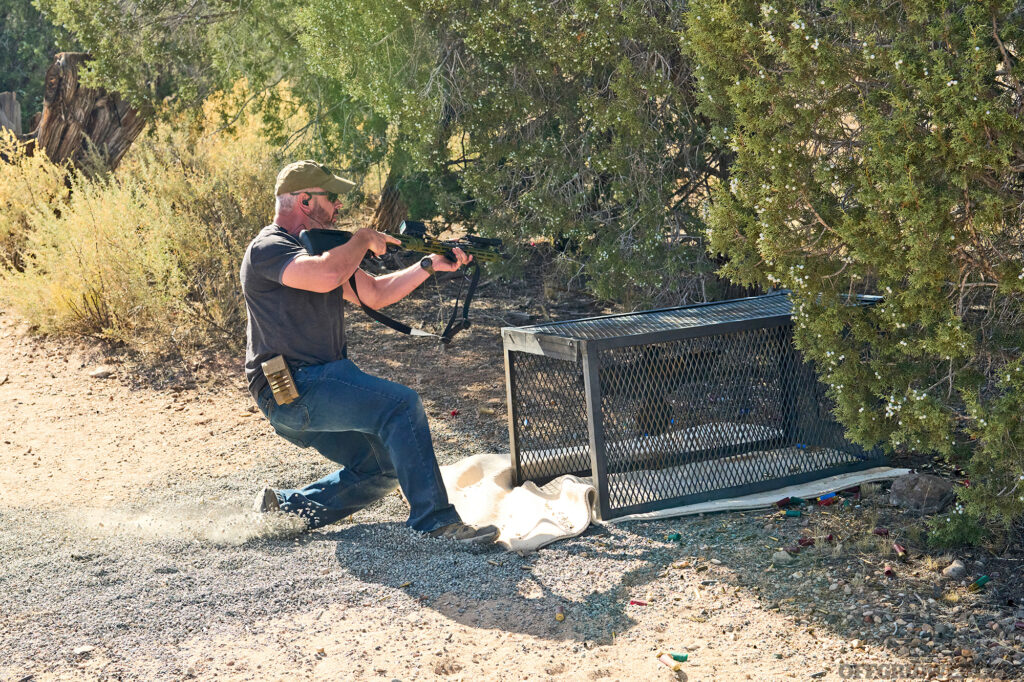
point(453, 327)
point(456, 325)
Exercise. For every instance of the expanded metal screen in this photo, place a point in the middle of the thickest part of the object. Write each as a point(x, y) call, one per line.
point(671, 407)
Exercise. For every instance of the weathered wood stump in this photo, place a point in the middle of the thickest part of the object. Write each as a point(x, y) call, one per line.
point(77, 118)
point(391, 210)
point(10, 112)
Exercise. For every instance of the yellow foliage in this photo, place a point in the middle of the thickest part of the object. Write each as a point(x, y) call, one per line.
point(27, 184)
point(103, 267)
point(148, 257)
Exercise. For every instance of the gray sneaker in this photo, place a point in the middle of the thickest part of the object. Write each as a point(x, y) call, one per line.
point(461, 532)
point(266, 501)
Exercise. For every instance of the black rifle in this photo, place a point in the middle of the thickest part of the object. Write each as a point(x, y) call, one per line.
point(413, 236)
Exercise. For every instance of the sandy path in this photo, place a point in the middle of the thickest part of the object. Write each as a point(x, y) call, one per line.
point(124, 529)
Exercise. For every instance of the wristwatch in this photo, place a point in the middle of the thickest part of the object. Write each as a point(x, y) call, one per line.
point(428, 265)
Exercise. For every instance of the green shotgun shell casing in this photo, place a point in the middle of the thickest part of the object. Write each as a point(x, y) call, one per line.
point(793, 512)
point(673, 537)
point(679, 657)
point(979, 583)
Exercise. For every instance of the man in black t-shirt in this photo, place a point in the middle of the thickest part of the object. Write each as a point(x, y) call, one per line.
point(376, 429)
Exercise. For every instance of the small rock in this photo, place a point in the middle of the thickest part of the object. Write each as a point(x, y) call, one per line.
point(82, 650)
point(855, 644)
point(921, 493)
point(781, 558)
point(955, 570)
point(101, 372)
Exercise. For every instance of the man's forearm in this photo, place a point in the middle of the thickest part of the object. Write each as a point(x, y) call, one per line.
point(328, 270)
point(391, 288)
point(344, 260)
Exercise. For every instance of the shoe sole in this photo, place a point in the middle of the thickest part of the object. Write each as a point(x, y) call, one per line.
point(268, 503)
point(479, 539)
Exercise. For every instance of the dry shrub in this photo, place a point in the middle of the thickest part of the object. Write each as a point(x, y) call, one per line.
point(102, 268)
point(28, 184)
point(149, 257)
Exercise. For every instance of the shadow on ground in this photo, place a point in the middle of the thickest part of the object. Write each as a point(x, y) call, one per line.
point(590, 577)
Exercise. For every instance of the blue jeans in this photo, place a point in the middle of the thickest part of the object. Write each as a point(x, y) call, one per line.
point(376, 429)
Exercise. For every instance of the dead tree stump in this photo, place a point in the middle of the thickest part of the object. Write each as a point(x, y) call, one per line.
point(391, 210)
point(10, 112)
point(77, 118)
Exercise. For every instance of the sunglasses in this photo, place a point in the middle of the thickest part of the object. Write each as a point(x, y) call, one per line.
point(331, 196)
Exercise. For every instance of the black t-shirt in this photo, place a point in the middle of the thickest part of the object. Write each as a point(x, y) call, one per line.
point(301, 325)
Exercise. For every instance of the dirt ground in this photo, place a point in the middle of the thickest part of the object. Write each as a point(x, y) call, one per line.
point(127, 550)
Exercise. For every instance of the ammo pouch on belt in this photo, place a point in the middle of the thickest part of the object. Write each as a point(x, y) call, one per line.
point(279, 376)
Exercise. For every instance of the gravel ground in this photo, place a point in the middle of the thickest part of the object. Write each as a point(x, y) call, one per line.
point(128, 552)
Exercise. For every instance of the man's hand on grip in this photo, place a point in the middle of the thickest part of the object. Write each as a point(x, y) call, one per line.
point(377, 242)
point(442, 264)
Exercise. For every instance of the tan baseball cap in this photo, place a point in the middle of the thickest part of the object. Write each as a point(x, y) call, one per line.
point(305, 174)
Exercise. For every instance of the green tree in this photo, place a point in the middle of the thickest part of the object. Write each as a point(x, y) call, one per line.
point(573, 120)
point(28, 41)
point(167, 56)
point(880, 149)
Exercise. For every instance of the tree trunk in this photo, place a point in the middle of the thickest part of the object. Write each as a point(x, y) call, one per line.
point(391, 210)
point(10, 112)
point(77, 119)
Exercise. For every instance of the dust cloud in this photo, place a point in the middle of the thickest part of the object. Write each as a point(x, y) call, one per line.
point(214, 524)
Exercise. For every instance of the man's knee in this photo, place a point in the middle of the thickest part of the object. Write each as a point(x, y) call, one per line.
point(407, 413)
point(410, 400)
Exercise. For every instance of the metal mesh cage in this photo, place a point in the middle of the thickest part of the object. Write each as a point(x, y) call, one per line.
point(551, 414)
point(674, 406)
